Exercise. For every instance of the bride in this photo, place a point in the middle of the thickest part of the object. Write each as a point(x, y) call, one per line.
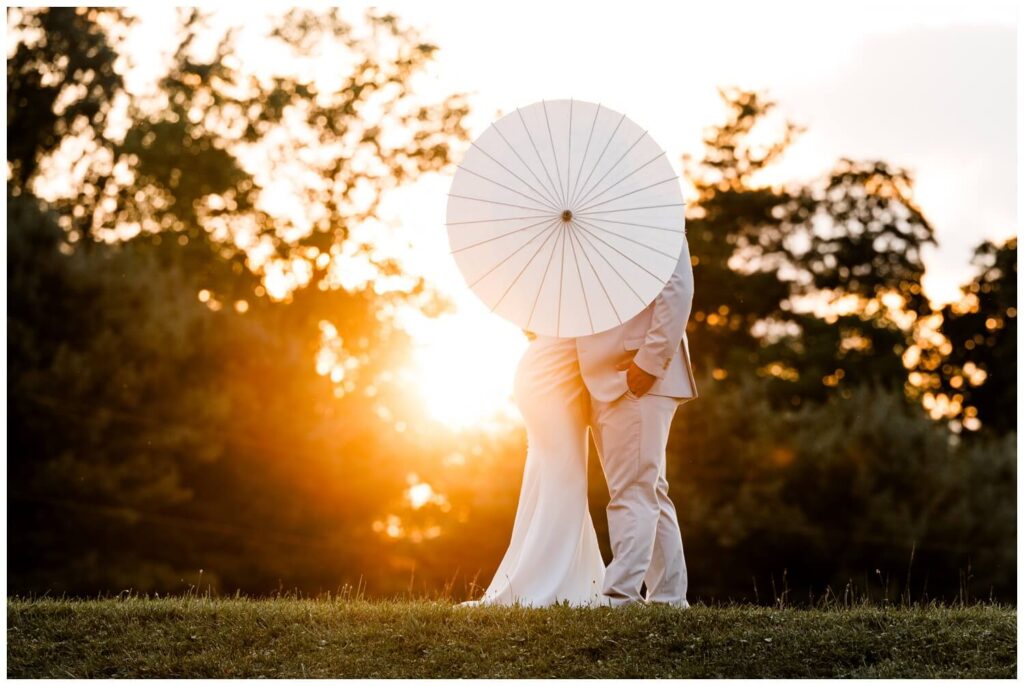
point(553, 556)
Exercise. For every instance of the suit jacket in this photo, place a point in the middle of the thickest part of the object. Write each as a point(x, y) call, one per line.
point(657, 338)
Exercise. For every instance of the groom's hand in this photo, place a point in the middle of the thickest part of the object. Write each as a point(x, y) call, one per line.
point(638, 381)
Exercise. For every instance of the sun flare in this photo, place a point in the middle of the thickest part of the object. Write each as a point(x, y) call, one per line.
point(464, 365)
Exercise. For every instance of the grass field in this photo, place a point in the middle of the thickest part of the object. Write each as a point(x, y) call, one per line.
point(207, 637)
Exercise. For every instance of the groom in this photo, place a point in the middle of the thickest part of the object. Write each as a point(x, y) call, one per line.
point(637, 374)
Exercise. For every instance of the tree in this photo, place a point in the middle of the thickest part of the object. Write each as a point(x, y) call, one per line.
point(821, 497)
point(796, 282)
point(182, 415)
point(970, 372)
point(821, 469)
point(61, 81)
point(736, 232)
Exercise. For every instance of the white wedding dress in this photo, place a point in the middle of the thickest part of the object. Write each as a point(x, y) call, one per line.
point(553, 556)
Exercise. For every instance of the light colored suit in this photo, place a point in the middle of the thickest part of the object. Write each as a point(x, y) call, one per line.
point(631, 434)
point(657, 335)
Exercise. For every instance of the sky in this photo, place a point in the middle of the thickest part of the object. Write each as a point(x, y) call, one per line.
point(930, 86)
point(926, 86)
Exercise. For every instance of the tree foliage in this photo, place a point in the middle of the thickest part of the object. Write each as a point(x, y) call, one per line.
point(61, 80)
point(976, 365)
point(768, 257)
point(163, 399)
point(820, 498)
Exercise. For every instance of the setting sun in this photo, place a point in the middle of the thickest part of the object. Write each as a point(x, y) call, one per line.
point(464, 365)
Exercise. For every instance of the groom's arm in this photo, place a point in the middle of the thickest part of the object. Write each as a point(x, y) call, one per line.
point(668, 321)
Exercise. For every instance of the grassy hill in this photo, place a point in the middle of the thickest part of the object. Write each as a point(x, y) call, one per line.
point(206, 637)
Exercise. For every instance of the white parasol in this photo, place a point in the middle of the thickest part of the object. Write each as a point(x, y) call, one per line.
point(565, 218)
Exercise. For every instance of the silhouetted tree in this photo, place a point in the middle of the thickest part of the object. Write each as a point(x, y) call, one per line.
point(736, 230)
point(794, 279)
point(61, 81)
point(169, 414)
point(978, 374)
point(823, 496)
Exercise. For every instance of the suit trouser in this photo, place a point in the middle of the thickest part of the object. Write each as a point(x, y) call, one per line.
point(631, 434)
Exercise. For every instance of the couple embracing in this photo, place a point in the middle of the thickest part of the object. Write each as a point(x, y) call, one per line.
point(624, 385)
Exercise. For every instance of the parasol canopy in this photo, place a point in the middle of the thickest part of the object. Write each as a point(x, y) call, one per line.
point(565, 218)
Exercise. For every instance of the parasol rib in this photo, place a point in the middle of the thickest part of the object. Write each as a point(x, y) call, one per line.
point(495, 202)
point(528, 167)
point(610, 265)
point(645, 226)
point(561, 279)
point(631, 209)
point(576, 183)
point(621, 179)
point(498, 219)
point(631, 240)
point(625, 195)
point(643, 268)
point(554, 155)
point(525, 266)
point(568, 155)
point(586, 196)
point(608, 142)
point(596, 276)
point(514, 252)
point(507, 233)
point(540, 287)
point(497, 183)
point(547, 201)
point(535, 150)
point(583, 289)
